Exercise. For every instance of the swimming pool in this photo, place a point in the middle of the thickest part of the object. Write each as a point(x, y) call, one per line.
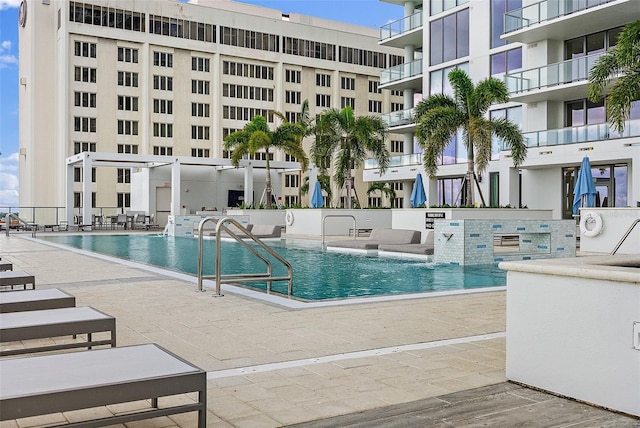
point(318, 274)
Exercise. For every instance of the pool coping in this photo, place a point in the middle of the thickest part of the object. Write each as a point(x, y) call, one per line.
point(279, 300)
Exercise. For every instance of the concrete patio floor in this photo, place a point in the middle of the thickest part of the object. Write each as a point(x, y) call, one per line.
point(392, 363)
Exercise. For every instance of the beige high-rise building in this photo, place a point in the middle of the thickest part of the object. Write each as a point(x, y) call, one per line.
point(171, 78)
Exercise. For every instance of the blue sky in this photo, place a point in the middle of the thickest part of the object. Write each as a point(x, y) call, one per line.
point(368, 13)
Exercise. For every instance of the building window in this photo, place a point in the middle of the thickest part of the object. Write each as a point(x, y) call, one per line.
point(374, 87)
point(450, 191)
point(85, 74)
point(373, 201)
point(79, 147)
point(397, 202)
point(247, 70)
point(292, 76)
point(247, 92)
point(124, 175)
point(199, 110)
point(86, 13)
point(293, 97)
point(77, 199)
point(362, 57)
point(291, 200)
point(127, 103)
point(124, 200)
point(163, 130)
point(291, 180)
point(182, 28)
point(397, 146)
point(77, 175)
point(163, 59)
point(200, 87)
point(199, 132)
point(375, 106)
point(128, 148)
point(397, 107)
point(126, 78)
point(163, 83)
point(200, 64)
point(347, 101)
point(84, 99)
point(439, 80)
point(246, 113)
point(348, 83)
point(85, 49)
point(308, 48)
point(162, 106)
point(128, 55)
point(323, 100)
point(450, 37)
point(84, 124)
point(249, 39)
point(498, 9)
point(584, 112)
point(439, 6)
point(506, 62)
point(162, 150)
point(127, 127)
point(323, 80)
point(199, 153)
point(514, 114)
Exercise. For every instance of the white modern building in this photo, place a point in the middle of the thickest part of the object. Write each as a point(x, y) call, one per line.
point(543, 50)
point(167, 81)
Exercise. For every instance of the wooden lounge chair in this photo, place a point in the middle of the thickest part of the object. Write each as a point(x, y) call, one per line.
point(56, 383)
point(35, 300)
point(16, 277)
point(23, 326)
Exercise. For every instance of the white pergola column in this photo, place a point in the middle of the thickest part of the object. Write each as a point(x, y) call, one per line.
point(69, 195)
point(175, 188)
point(248, 185)
point(87, 207)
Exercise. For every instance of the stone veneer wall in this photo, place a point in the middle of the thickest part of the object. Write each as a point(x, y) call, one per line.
point(471, 242)
point(183, 225)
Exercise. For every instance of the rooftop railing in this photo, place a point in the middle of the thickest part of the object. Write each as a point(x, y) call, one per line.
point(573, 70)
point(579, 134)
point(546, 10)
point(402, 71)
point(400, 26)
point(395, 161)
point(398, 118)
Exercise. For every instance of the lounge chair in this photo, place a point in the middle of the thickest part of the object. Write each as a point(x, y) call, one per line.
point(35, 300)
point(16, 277)
point(377, 237)
point(424, 249)
point(45, 384)
point(4, 266)
point(22, 326)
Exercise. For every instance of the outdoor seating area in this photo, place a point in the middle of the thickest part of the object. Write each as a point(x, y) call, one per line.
point(81, 380)
point(376, 238)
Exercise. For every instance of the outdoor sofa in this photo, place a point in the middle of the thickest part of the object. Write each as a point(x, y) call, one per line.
point(378, 237)
point(422, 249)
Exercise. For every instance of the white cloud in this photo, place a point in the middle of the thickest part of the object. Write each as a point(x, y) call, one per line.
point(6, 4)
point(6, 60)
point(5, 45)
point(9, 180)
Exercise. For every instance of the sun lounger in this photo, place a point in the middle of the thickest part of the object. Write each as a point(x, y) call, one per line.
point(47, 384)
point(16, 277)
point(35, 300)
point(424, 249)
point(22, 326)
point(377, 237)
point(5, 266)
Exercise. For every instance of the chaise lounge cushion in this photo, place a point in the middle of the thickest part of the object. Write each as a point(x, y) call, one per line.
point(378, 237)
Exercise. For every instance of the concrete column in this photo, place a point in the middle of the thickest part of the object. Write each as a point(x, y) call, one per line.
point(509, 184)
point(248, 185)
point(87, 207)
point(69, 195)
point(175, 188)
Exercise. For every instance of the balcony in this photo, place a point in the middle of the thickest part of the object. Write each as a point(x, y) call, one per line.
point(559, 81)
point(399, 118)
point(562, 20)
point(403, 76)
point(403, 32)
point(396, 161)
point(579, 134)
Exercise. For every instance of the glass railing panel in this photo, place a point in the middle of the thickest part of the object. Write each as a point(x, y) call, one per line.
point(400, 26)
point(573, 70)
point(579, 134)
point(398, 118)
point(544, 11)
point(396, 161)
point(402, 71)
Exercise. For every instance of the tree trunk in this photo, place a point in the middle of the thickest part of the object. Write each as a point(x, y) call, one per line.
point(470, 179)
point(268, 185)
point(349, 184)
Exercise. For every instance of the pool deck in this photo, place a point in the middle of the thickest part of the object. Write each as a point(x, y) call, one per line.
point(434, 361)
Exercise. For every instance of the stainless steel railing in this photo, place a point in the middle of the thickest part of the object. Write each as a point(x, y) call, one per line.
point(624, 237)
point(247, 277)
point(355, 229)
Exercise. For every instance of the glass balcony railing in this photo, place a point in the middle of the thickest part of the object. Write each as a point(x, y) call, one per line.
point(545, 11)
point(579, 134)
point(400, 26)
point(396, 161)
point(402, 71)
point(398, 118)
point(573, 70)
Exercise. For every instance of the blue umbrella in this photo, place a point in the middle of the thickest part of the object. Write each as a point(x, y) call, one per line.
point(317, 200)
point(584, 194)
point(418, 197)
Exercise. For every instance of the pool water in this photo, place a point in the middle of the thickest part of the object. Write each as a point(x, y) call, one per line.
point(317, 274)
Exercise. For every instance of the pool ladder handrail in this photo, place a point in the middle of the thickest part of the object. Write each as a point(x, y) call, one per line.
point(355, 228)
point(624, 237)
point(248, 277)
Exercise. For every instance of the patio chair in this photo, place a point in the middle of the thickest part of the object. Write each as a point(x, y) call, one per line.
point(121, 222)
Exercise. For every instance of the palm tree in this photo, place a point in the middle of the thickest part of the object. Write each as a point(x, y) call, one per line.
point(325, 185)
point(256, 136)
point(349, 140)
point(621, 63)
point(440, 116)
point(384, 187)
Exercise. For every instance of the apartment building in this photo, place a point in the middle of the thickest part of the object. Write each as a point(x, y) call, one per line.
point(543, 50)
point(168, 78)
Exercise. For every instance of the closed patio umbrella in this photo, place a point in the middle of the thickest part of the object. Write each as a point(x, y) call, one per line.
point(584, 194)
point(418, 196)
point(317, 200)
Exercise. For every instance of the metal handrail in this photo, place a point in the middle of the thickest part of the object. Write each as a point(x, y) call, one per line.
point(617, 247)
point(355, 229)
point(248, 277)
point(27, 226)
